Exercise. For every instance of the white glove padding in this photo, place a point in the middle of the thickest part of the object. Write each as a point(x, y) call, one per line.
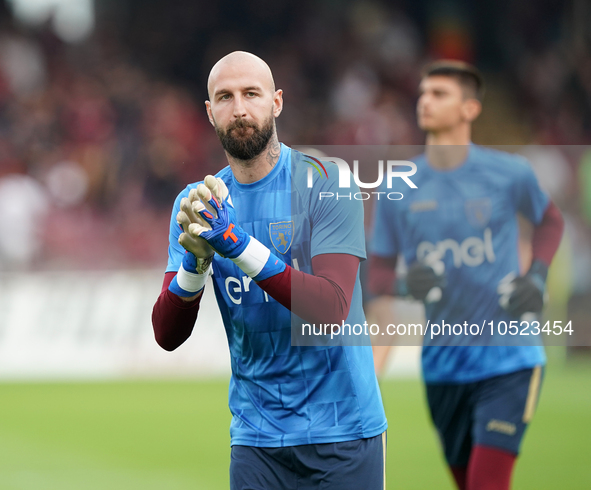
point(200, 197)
point(187, 216)
point(224, 234)
point(212, 186)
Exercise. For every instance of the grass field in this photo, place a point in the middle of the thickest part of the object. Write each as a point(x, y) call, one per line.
point(174, 435)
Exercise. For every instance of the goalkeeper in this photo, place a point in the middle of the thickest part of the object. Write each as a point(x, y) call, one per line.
point(458, 233)
point(302, 417)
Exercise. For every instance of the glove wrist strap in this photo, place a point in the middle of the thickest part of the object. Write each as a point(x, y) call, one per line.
point(538, 268)
point(191, 277)
point(258, 262)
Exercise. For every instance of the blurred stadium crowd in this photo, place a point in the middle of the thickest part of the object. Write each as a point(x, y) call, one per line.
point(98, 137)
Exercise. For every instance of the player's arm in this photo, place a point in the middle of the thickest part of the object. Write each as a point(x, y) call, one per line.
point(381, 277)
point(424, 279)
point(321, 297)
point(381, 282)
point(547, 235)
point(173, 317)
point(526, 293)
point(533, 203)
point(176, 309)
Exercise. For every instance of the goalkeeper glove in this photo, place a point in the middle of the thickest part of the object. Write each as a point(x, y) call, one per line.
point(196, 264)
point(524, 294)
point(426, 279)
point(220, 228)
point(189, 214)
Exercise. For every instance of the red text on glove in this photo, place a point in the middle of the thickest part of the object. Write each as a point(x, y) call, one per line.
point(228, 233)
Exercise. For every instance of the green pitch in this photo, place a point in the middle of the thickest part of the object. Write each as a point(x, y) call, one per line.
point(174, 435)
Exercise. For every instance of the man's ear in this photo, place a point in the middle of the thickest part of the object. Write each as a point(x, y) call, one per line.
point(209, 114)
point(277, 102)
point(471, 109)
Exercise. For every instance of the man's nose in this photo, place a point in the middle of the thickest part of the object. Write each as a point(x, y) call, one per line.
point(239, 107)
point(423, 101)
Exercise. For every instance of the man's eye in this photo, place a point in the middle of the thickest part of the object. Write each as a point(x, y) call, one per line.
point(225, 97)
point(251, 94)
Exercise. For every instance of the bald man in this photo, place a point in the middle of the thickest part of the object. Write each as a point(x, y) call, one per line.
point(306, 414)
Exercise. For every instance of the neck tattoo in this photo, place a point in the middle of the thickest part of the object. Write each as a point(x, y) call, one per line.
point(273, 152)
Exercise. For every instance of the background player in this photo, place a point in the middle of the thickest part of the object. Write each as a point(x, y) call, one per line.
point(302, 416)
point(463, 217)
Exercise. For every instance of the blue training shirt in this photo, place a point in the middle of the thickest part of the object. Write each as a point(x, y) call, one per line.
point(469, 216)
point(284, 395)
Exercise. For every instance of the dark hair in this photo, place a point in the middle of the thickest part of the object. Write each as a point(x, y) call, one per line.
point(468, 76)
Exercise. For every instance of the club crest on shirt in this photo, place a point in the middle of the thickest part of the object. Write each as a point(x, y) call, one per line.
point(478, 211)
point(281, 235)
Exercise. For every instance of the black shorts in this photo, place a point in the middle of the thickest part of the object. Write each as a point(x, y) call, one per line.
point(350, 465)
point(493, 412)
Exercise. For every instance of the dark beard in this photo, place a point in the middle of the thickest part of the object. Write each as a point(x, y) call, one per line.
point(248, 147)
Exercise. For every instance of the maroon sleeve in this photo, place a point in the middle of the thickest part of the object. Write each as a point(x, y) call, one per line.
point(381, 275)
point(324, 297)
point(172, 318)
point(547, 235)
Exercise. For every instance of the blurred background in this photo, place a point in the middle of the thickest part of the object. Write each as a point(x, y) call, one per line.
point(102, 102)
point(102, 124)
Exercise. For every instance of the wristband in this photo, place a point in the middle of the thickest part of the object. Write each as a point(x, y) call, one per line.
point(538, 271)
point(191, 277)
point(258, 262)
